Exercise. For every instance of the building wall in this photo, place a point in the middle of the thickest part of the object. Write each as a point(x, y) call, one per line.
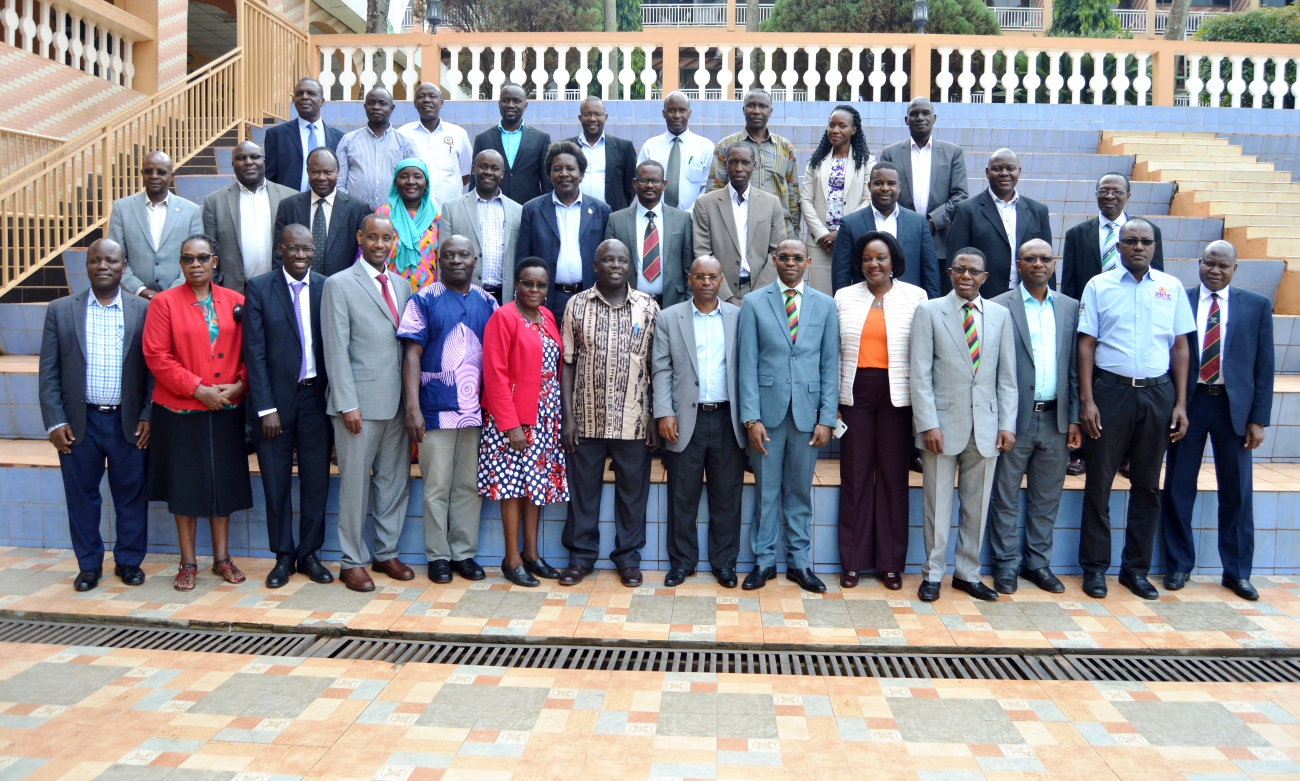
point(49, 99)
point(173, 20)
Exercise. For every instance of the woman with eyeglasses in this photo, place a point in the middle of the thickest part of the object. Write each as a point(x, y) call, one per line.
point(198, 462)
point(834, 184)
point(521, 461)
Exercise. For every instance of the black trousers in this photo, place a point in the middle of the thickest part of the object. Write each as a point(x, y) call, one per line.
point(1133, 421)
point(586, 469)
point(559, 300)
point(104, 446)
point(311, 436)
point(712, 450)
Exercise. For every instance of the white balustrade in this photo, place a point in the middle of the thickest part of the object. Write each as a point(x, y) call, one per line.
point(684, 15)
point(1017, 19)
point(98, 47)
point(1065, 82)
point(1267, 87)
point(742, 13)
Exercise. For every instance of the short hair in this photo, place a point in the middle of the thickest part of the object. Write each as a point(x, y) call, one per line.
point(1128, 186)
point(897, 260)
point(1139, 221)
point(295, 227)
point(531, 262)
point(743, 143)
point(319, 87)
point(565, 148)
point(212, 243)
point(323, 150)
point(662, 171)
point(973, 252)
point(1027, 242)
point(884, 165)
point(365, 221)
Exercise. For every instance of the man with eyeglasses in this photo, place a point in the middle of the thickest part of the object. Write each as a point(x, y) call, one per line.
point(150, 226)
point(686, 156)
point(659, 236)
point(611, 161)
point(1132, 399)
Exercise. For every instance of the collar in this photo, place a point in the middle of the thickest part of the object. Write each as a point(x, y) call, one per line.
point(493, 199)
point(328, 199)
point(658, 210)
point(1206, 292)
point(303, 124)
point(116, 303)
point(797, 288)
point(753, 140)
point(929, 144)
point(514, 132)
point(582, 141)
point(1026, 296)
point(875, 213)
point(978, 302)
point(731, 191)
point(560, 205)
point(627, 301)
point(682, 135)
point(148, 204)
point(1001, 204)
point(1126, 274)
point(1118, 222)
point(717, 310)
point(419, 125)
point(387, 130)
point(261, 188)
point(289, 280)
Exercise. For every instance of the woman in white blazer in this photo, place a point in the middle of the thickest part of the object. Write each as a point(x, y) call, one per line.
point(834, 184)
point(876, 406)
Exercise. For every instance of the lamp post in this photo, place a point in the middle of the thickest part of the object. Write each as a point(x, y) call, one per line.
point(920, 15)
point(433, 14)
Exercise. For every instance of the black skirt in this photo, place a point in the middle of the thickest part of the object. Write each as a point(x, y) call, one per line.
point(198, 462)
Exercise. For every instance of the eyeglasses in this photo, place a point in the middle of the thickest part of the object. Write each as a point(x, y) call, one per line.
point(529, 285)
point(1110, 191)
point(649, 182)
point(1036, 260)
point(1138, 242)
point(292, 249)
point(966, 271)
point(190, 260)
point(589, 115)
point(789, 258)
point(706, 277)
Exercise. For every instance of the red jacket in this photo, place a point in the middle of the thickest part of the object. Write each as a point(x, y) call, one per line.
point(512, 366)
point(177, 349)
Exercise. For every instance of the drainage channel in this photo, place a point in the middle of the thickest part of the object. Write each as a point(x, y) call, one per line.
point(853, 664)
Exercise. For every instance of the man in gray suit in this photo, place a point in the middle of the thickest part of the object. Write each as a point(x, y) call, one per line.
point(490, 221)
point(1047, 424)
point(697, 405)
point(740, 226)
point(150, 227)
point(964, 412)
point(241, 217)
point(360, 312)
point(659, 237)
point(937, 194)
point(788, 383)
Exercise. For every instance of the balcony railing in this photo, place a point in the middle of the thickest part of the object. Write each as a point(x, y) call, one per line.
point(742, 13)
point(1020, 19)
point(697, 14)
point(90, 35)
point(1136, 21)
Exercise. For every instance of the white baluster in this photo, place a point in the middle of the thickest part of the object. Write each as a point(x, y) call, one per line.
point(988, 79)
point(476, 75)
point(561, 73)
point(61, 37)
point(1010, 79)
point(518, 76)
point(746, 76)
point(412, 74)
point(90, 52)
point(856, 77)
point(1295, 86)
point(106, 54)
point(368, 76)
point(898, 77)
point(1120, 81)
point(966, 79)
point(1099, 82)
point(1215, 85)
point(27, 26)
point(75, 44)
point(626, 76)
point(454, 77)
point(789, 76)
point(43, 32)
point(128, 68)
point(583, 75)
point(539, 75)
point(1194, 83)
point(768, 77)
point(1237, 85)
point(649, 77)
point(701, 73)
point(1278, 88)
point(1258, 87)
point(389, 77)
point(944, 77)
point(727, 73)
point(606, 74)
point(11, 21)
point(1142, 82)
point(833, 76)
point(1076, 81)
point(347, 79)
point(115, 62)
point(497, 76)
point(1032, 80)
point(877, 77)
point(325, 75)
point(1054, 79)
point(811, 78)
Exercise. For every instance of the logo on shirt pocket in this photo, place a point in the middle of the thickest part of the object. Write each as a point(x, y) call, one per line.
point(1163, 295)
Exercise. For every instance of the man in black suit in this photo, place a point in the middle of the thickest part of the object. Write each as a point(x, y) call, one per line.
point(885, 214)
point(286, 145)
point(334, 217)
point(523, 148)
point(611, 161)
point(285, 356)
point(1092, 246)
point(989, 220)
point(1229, 398)
point(95, 392)
point(658, 236)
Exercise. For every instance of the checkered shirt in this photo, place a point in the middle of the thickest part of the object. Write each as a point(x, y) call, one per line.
point(104, 334)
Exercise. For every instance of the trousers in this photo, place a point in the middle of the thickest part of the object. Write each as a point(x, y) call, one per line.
point(974, 486)
point(712, 449)
point(308, 434)
point(128, 469)
point(1040, 456)
point(783, 479)
point(586, 467)
point(374, 476)
point(449, 468)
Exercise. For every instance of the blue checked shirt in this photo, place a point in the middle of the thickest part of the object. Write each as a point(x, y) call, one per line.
point(492, 223)
point(104, 334)
point(366, 163)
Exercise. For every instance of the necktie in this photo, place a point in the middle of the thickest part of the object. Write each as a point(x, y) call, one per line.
point(1210, 350)
point(792, 314)
point(297, 320)
point(674, 172)
point(312, 143)
point(972, 336)
point(319, 232)
point(650, 249)
point(388, 297)
point(1110, 249)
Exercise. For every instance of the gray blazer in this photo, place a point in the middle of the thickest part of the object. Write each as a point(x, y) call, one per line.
point(148, 267)
point(947, 184)
point(221, 222)
point(675, 373)
point(713, 231)
point(946, 392)
point(460, 216)
point(63, 365)
point(675, 248)
point(363, 355)
point(1067, 370)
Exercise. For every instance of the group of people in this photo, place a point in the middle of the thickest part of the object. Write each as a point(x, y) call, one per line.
point(512, 313)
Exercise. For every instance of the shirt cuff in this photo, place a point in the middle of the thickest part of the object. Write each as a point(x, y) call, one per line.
point(346, 411)
point(51, 429)
point(140, 289)
point(263, 413)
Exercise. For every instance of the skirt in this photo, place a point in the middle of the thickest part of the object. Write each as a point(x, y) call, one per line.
point(198, 462)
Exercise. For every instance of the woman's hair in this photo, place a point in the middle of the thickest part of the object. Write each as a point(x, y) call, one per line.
point(530, 262)
point(565, 148)
point(898, 263)
point(857, 144)
point(212, 243)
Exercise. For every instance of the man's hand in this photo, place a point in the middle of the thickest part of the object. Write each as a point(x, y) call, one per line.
point(147, 294)
point(668, 428)
point(757, 436)
point(352, 422)
point(930, 222)
point(142, 432)
point(569, 435)
point(821, 435)
point(1178, 426)
point(934, 440)
point(1074, 440)
point(1254, 435)
point(61, 438)
point(1006, 441)
point(652, 438)
point(518, 439)
point(1090, 418)
point(271, 425)
point(209, 397)
point(414, 424)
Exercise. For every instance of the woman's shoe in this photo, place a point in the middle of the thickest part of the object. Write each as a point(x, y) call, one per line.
point(227, 569)
point(185, 577)
point(519, 576)
point(541, 569)
point(848, 580)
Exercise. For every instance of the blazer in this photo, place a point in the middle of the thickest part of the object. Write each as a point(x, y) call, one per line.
point(1066, 310)
point(460, 217)
point(676, 376)
point(179, 352)
point(978, 224)
point(512, 367)
point(539, 235)
point(853, 303)
point(714, 233)
point(526, 179)
point(817, 185)
point(272, 350)
point(221, 221)
point(946, 392)
point(1247, 366)
point(947, 186)
point(776, 376)
point(148, 267)
point(921, 263)
point(1081, 256)
point(341, 249)
point(620, 170)
point(282, 146)
point(676, 248)
point(63, 366)
point(362, 352)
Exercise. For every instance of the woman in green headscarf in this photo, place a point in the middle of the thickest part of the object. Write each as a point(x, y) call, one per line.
point(415, 218)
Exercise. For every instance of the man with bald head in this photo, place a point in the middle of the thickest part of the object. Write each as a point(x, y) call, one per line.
point(289, 143)
point(998, 221)
point(522, 147)
point(611, 161)
point(368, 155)
point(150, 226)
point(241, 217)
point(490, 221)
point(444, 147)
point(685, 156)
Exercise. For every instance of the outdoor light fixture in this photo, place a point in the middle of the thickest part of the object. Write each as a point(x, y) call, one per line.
point(920, 15)
point(433, 14)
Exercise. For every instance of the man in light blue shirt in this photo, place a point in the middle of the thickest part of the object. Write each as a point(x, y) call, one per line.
point(368, 156)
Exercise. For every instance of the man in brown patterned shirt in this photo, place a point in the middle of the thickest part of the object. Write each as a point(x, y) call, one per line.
point(608, 333)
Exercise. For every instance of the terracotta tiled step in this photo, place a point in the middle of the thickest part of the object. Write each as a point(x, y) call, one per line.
point(1206, 178)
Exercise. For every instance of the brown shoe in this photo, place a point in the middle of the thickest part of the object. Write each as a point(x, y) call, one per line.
point(573, 574)
point(356, 579)
point(849, 580)
point(630, 576)
point(892, 580)
point(394, 569)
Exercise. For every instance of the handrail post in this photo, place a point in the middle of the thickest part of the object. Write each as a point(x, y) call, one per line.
point(1151, 20)
point(670, 79)
point(241, 87)
point(430, 63)
point(1162, 76)
point(918, 80)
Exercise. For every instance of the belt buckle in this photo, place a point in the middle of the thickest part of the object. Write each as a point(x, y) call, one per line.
point(1040, 406)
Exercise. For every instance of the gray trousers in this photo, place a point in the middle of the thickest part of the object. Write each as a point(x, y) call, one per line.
point(383, 448)
point(1040, 455)
point(974, 486)
point(783, 486)
point(449, 468)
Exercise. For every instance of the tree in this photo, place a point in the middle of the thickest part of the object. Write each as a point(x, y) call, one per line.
point(1085, 19)
point(1176, 24)
point(376, 16)
point(531, 16)
point(1264, 25)
point(947, 17)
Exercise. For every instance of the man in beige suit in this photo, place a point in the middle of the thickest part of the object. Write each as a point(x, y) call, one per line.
point(490, 221)
point(241, 217)
point(740, 225)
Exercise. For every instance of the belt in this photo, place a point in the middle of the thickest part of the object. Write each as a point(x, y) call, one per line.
point(492, 290)
point(1212, 390)
point(713, 407)
point(1044, 406)
point(308, 382)
point(1136, 382)
point(744, 279)
point(105, 407)
point(576, 287)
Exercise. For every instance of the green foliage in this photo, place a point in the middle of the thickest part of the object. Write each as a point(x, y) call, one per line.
point(530, 16)
point(1264, 25)
point(1085, 19)
point(629, 16)
point(947, 17)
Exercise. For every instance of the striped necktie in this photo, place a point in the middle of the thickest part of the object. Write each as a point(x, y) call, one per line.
point(1110, 249)
point(792, 314)
point(650, 249)
point(972, 336)
point(1210, 350)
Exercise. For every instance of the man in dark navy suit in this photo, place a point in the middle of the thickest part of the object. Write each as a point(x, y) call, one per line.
point(884, 214)
point(1230, 396)
point(523, 148)
point(287, 145)
point(1092, 246)
point(333, 217)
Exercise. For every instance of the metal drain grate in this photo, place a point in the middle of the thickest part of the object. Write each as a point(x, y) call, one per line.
point(1188, 669)
point(197, 640)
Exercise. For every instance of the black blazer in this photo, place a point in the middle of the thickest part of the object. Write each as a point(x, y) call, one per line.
point(525, 180)
point(976, 223)
point(341, 241)
point(1081, 256)
point(920, 264)
point(272, 352)
point(282, 146)
point(1247, 367)
point(620, 170)
point(63, 366)
point(539, 234)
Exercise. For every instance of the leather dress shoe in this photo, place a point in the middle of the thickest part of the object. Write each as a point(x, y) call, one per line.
point(630, 577)
point(1139, 585)
point(440, 571)
point(1005, 581)
point(892, 580)
point(540, 569)
point(573, 574)
point(975, 588)
point(393, 568)
point(356, 579)
point(519, 576)
point(848, 580)
point(279, 574)
point(929, 590)
point(131, 576)
point(87, 579)
point(676, 577)
point(1176, 580)
point(1076, 467)
point(1124, 469)
point(1094, 584)
point(468, 569)
point(310, 566)
point(806, 580)
point(916, 465)
point(759, 577)
point(1044, 579)
point(1241, 587)
point(726, 577)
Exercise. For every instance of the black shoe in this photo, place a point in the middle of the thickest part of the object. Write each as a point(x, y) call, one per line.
point(310, 566)
point(1044, 579)
point(806, 580)
point(1124, 469)
point(279, 574)
point(916, 465)
point(676, 577)
point(87, 579)
point(1076, 467)
point(1139, 585)
point(759, 577)
point(1176, 580)
point(1005, 581)
point(975, 588)
point(468, 569)
point(540, 569)
point(131, 576)
point(929, 591)
point(1242, 588)
point(726, 577)
point(517, 575)
point(440, 571)
point(1094, 584)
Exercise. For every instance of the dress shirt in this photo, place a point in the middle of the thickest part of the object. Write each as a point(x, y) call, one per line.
point(979, 314)
point(798, 299)
point(710, 355)
point(157, 213)
point(366, 163)
point(1135, 323)
point(255, 230)
point(492, 236)
point(886, 224)
point(1007, 210)
point(1202, 316)
point(304, 306)
point(304, 135)
point(921, 175)
point(510, 142)
point(1042, 342)
point(375, 276)
point(593, 181)
point(740, 212)
point(105, 329)
point(329, 208)
point(447, 151)
point(696, 156)
point(568, 266)
point(1102, 222)
point(655, 287)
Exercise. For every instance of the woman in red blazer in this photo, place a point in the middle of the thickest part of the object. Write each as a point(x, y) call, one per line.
point(520, 455)
point(198, 462)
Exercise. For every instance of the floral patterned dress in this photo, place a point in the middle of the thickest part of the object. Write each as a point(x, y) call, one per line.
point(835, 198)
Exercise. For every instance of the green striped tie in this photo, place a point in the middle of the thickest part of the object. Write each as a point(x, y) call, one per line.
point(1110, 250)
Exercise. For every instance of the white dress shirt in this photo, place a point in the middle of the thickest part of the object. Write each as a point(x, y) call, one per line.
point(886, 224)
point(304, 305)
point(157, 213)
point(329, 208)
point(696, 158)
point(568, 266)
point(740, 212)
point(304, 135)
point(1202, 318)
point(710, 354)
point(1007, 210)
point(255, 230)
point(593, 181)
point(921, 175)
point(448, 153)
point(655, 287)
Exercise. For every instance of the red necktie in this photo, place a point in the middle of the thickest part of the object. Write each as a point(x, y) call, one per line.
point(1211, 348)
point(650, 249)
point(388, 297)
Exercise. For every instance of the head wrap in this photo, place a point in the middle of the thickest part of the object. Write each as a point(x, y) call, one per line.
point(410, 228)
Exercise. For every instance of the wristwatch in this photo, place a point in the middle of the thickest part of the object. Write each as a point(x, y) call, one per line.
point(748, 423)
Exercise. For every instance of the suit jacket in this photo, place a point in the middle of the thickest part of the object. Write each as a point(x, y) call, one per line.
point(362, 352)
point(921, 266)
point(676, 376)
point(341, 240)
point(947, 185)
point(777, 376)
point(817, 183)
point(675, 248)
point(1066, 310)
point(620, 170)
point(180, 352)
point(63, 365)
point(272, 350)
point(946, 392)
point(282, 146)
point(460, 217)
point(129, 226)
point(714, 233)
point(221, 221)
point(526, 179)
point(1081, 256)
point(539, 235)
point(1247, 365)
point(978, 224)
